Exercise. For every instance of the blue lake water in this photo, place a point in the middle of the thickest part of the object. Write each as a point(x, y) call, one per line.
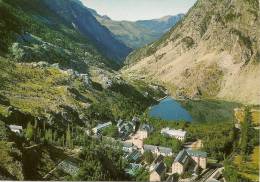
point(170, 110)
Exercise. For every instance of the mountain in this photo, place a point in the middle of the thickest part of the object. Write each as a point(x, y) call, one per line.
point(57, 82)
point(139, 33)
point(71, 19)
point(75, 13)
point(212, 53)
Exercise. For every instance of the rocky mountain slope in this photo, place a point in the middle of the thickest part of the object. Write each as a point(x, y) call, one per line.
point(139, 33)
point(80, 18)
point(213, 52)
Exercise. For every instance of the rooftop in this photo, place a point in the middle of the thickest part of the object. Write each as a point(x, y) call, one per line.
point(182, 157)
point(15, 127)
point(154, 148)
point(174, 132)
point(134, 156)
point(165, 150)
point(146, 127)
point(159, 168)
point(127, 144)
point(197, 153)
point(100, 126)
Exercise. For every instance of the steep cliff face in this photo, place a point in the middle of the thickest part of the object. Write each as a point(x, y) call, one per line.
point(213, 52)
point(78, 15)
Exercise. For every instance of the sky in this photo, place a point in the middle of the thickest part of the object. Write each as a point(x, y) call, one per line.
point(133, 10)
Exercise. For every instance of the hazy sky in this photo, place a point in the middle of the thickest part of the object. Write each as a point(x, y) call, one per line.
point(139, 9)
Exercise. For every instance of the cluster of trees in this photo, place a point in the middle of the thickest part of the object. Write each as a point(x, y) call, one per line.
point(159, 140)
point(249, 137)
point(125, 101)
point(102, 161)
point(218, 138)
point(232, 174)
point(148, 157)
point(111, 131)
point(67, 139)
point(142, 175)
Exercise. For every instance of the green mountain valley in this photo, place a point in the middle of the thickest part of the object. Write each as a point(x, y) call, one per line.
point(77, 89)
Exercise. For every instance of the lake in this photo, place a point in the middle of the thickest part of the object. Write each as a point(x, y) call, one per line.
point(170, 110)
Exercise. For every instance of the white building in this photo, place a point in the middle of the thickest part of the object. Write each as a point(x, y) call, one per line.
point(178, 134)
point(16, 128)
point(100, 127)
point(157, 150)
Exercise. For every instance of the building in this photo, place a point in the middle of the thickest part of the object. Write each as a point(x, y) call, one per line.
point(158, 170)
point(199, 157)
point(133, 157)
point(133, 168)
point(101, 127)
point(125, 128)
point(178, 134)
point(119, 123)
point(156, 161)
point(181, 162)
point(16, 129)
point(145, 130)
point(128, 147)
point(157, 150)
point(189, 159)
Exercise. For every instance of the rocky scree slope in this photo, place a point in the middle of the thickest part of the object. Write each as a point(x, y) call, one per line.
point(213, 52)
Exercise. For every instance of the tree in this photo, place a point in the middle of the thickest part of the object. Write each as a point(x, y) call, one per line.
point(111, 131)
point(68, 138)
point(230, 172)
point(142, 175)
point(168, 162)
point(102, 162)
point(29, 131)
point(48, 136)
point(148, 157)
point(3, 131)
point(245, 127)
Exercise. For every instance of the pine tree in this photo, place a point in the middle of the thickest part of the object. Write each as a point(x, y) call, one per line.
point(68, 137)
point(245, 132)
point(54, 137)
point(29, 131)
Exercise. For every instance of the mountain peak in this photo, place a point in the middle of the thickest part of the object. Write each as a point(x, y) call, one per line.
point(139, 33)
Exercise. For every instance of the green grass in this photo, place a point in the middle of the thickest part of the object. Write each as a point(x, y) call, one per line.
point(32, 89)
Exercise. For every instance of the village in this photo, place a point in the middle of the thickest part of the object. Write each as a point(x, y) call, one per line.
point(189, 164)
